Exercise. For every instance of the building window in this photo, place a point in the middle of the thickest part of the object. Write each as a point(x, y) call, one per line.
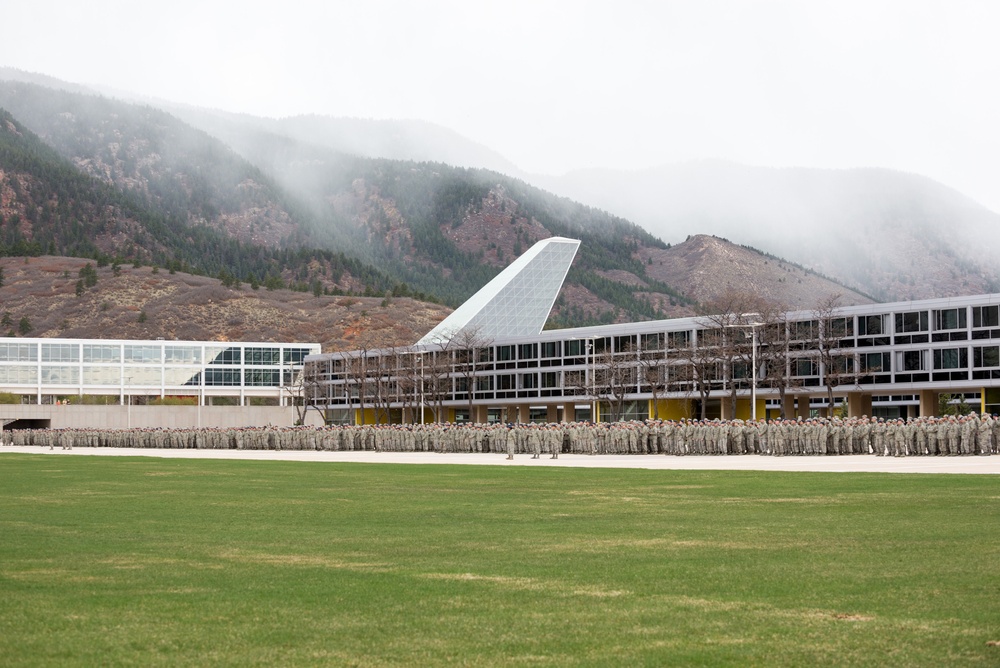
point(102, 353)
point(18, 375)
point(177, 376)
point(677, 340)
point(142, 375)
point(624, 344)
point(843, 364)
point(910, 360)
point(538, 415)
point(143, 354)
point(505, 381)
point(841, 327)
point(18, 352)
point(222, 377)
point(484, 384)
point(871, 325)
point(101, 375)
point(986, 316)
point(550, 379)
point(914, 321)
point(263, 356)
point(876, 363)
point(223, 355)
point(529, 381)
point(576, 379)
point(181, 355)
point(262, 377)
point(505, 353)
point(296, 355)
point(805, 330)
point(550, 349)
point(987, 356)
point(652, 342)
point(804, 367)
point(951, 358)
point(60, 352)
point(950, 318)
point(60, 375)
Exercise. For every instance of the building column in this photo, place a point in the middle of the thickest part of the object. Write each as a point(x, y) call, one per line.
point(788, 406)
point(479, 414)
point(928, 403)
point(726, 408)
point(523, 414)
point(859, 404)
point(802, 410)
point(552, 413)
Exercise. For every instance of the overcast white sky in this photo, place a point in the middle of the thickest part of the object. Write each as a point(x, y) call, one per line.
point(554, 86)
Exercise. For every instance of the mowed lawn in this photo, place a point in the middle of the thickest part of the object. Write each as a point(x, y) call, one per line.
point(144, 561)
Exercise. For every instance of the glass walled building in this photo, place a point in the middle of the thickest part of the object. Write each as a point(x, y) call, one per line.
point(47, 371)
point(895, 359)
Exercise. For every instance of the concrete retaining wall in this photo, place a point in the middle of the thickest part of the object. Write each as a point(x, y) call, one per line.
point(121, 417)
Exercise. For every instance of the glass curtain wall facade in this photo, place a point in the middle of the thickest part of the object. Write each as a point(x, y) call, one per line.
point(53, 370)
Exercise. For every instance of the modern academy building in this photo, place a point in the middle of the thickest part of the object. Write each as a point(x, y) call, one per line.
point(123, 383)
point(491, 360)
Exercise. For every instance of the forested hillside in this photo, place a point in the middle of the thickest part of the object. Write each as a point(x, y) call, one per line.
point(260, 207)
point(49, 206)
point(255, 202)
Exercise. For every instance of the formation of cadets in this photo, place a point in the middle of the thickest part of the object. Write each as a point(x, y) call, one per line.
point(926, 436)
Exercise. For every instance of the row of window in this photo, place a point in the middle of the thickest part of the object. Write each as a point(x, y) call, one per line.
point(984, 357)
point(138, 376)
point(808, 330)
point(148, 354)
point(804, 367)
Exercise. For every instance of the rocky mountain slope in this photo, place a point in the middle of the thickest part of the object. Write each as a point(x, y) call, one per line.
point(40, 297)
point(889, 234)
point(705, 267)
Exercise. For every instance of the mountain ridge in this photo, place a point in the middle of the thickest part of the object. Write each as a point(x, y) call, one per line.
point(269, 204)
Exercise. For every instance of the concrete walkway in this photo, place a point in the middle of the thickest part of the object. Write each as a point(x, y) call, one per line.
point(841, 463)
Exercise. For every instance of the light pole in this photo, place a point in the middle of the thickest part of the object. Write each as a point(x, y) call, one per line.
point(753, 371)
point(421, 354)
point(593, 384)
point(128, 396)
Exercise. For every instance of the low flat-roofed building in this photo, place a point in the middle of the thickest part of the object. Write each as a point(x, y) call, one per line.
point(893, 360)
point(106, 376)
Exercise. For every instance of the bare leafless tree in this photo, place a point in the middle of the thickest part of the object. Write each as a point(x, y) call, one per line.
point(773, 355)
point(837, 368)
point(383, 372)
point(438, 363)
point(733, 315)
point(652, 366)
point(473, 352)
point(408, 381)
point(306, 390)
point(700, 365)
point(615, 377)
point(356, 375)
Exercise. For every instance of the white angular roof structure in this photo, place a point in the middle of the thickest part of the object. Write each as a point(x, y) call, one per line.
point(518, 300)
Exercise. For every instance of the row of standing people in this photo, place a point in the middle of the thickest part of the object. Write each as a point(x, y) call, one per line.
point(966, 435)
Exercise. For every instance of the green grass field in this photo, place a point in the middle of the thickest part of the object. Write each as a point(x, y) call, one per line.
point(144, 561)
